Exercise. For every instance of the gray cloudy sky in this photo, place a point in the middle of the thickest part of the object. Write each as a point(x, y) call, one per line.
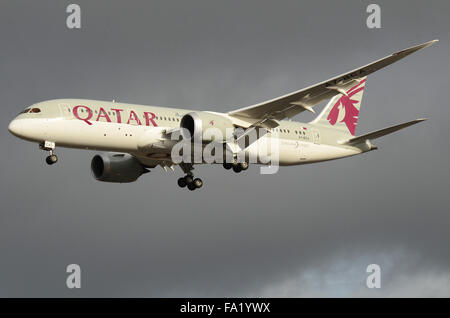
point(306, 231)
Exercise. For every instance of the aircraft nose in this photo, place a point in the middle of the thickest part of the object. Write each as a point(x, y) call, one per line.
point(15, 127)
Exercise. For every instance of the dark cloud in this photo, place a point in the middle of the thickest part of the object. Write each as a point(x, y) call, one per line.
point(246, 234)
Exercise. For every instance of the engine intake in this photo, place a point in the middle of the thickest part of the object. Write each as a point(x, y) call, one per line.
point(196, 124)
point(121, 168)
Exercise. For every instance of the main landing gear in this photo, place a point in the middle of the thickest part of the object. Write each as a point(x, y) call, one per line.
point(236, 166)
point(50, 147)
point(189, 181)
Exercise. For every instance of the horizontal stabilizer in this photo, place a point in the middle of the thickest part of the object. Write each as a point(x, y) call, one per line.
point(382, 132)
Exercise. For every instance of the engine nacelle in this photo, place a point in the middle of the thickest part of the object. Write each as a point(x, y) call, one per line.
point(121, 168)
point(196, 124)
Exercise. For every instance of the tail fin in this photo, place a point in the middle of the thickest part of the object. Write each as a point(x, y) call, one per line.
point(343, 109)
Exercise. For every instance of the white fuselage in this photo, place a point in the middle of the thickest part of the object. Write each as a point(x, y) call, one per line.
point(137, 129)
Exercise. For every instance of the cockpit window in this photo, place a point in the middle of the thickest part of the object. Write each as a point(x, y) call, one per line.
point(26, 110)
point(35, 110)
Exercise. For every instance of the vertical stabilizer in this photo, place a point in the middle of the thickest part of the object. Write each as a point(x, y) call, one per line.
point(343, 109)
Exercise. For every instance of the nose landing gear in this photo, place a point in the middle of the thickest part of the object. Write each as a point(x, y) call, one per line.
point(50, 147)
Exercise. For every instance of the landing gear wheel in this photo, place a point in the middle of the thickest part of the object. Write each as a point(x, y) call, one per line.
point(237, 168)
point(244, 165)
point(198, 183)
point(227, 165)
point(182, 182)
point(51, 159)
point(189, 182)
point(189, 179)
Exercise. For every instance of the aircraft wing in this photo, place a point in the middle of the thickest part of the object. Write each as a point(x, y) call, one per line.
point(266, 113)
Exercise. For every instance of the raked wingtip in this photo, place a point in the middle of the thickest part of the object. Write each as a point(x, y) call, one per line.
point(432, 42)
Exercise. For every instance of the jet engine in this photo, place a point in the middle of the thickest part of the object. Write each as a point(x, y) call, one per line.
point(197, 124)
point(121, 168)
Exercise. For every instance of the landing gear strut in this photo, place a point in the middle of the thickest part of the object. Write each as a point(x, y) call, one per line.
point(189, 181)
point(50, 147)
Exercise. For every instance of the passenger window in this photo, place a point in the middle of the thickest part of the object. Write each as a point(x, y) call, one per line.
point(35, 110)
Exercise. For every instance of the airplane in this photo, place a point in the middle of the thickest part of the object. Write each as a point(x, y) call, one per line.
point(137, 138)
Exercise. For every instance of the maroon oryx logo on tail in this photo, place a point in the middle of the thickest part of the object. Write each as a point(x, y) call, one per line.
point(345, 110)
